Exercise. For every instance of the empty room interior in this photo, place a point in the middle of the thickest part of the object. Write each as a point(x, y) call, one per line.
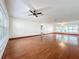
point(39, 29)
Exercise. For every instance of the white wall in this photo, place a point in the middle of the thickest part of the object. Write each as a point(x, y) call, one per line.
point(19, 27)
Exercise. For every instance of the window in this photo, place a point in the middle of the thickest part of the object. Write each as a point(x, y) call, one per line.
point(73, 28)
point(3, 29)
point(67, 28)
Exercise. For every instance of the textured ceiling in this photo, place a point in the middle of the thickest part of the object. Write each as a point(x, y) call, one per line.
point(58, 10)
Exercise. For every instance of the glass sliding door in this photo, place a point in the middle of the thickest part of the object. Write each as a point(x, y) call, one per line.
point(1, 24)
point(73, 29)
point(69, 28)
point(3, 31)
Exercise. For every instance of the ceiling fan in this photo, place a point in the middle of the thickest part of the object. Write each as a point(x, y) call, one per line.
point(33, 11)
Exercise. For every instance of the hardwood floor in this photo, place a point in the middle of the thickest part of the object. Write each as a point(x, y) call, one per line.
point(37, 48)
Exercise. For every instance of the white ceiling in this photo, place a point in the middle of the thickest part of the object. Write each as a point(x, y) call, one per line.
point(59, 10)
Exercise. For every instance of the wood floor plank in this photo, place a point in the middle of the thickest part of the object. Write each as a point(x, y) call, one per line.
point(35, 48)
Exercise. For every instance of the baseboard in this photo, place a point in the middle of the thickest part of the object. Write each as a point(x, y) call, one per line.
point(24, 37)
point(44, 34)
point(65, 33)
point(29, 36)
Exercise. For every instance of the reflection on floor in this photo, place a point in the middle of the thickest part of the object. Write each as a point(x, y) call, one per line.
point(68, 39)
point(46, 48)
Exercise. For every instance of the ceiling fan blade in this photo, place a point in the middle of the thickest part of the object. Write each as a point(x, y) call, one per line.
point(36, 16)
point(27, 2)
point(31, 11)
point(40, 13)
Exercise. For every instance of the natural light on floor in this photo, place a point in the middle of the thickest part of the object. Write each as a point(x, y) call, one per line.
point(68, 39)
